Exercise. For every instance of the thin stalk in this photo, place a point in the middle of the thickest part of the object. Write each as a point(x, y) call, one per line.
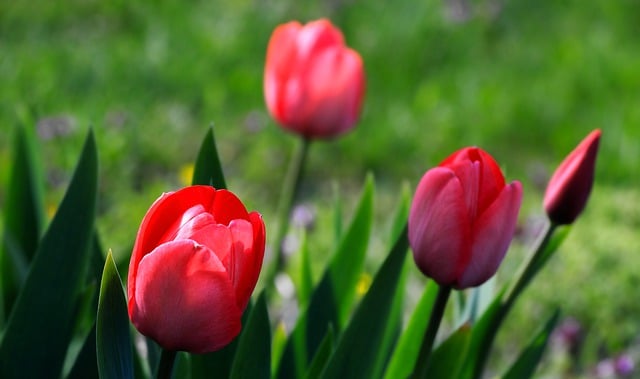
point(165, 367)
point(422, 364)
point(526, 272)
point(288, 195)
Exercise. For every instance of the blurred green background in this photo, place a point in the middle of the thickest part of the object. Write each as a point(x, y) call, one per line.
point(524, 80)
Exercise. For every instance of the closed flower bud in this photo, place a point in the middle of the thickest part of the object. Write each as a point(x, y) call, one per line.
point(195, 263)
point(569, 188)
point(462, 219)
point(313, 83)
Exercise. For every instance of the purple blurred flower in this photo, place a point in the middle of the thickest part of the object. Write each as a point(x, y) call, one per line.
point(624, 365)
point(303, 216)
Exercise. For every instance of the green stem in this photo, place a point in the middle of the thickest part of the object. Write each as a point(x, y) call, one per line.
point(165, 367)
point(530, 268)
point(289, 192)
point(527, 271)
point(422, 365)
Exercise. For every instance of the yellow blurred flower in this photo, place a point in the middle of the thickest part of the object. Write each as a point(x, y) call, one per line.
point(363, 284)
point(186, 174)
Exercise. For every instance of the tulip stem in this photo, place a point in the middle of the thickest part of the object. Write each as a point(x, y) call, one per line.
point(288, 195)
point(527, 271)
point(422, 364)
point(165, 367)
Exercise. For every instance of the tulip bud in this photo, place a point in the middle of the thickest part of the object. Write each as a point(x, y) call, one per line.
point(569, 188)
point(313, 83)
point(462, 219)
point(195, 263)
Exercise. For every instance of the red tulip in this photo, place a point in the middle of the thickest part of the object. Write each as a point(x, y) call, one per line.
point(570, 185)
point(462, 219)
point(195, 263)
point(313, 83)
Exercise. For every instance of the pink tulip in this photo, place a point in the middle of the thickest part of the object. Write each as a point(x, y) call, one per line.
point(313, 83)
point(195, 263)
point(570, 185)
point(462, 219)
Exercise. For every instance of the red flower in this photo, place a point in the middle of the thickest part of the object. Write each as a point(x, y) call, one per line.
point(462, 219)
point(570, 185)
point(313, 83)
point(195, 263)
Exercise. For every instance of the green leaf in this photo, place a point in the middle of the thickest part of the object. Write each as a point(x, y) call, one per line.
point(348, 261)
point(85, 365)
point(360, 342)
point(182, 369)
point(23, 220)
point(45, 309)
point(447, 359)
point(208, 170)
point(305, 284)
point(491, 320)
point(393, 327)
point(279, 341)
point(319, 361)
point(406, 352)
point(525, 366)
point(482, 336)
point(113, 340)
point(333, 296)
point(253, 357)
point(401, 214)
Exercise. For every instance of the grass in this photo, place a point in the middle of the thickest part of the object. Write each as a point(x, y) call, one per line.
point(526, 81)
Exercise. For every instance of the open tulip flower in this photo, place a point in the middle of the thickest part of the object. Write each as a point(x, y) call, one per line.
point(195, 263)
point(313, 83)
point(570, 186)
point(462, 219)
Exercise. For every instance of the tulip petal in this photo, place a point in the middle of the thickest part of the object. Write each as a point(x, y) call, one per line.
point(226, 207)
point(335, 86)
point(281, 52)
point(492, 234)
point(570, 186)
point(491, 180)
point(184, 299)
point(241, 263)
point(439, 227)
point(162, 219)
point(314, 37)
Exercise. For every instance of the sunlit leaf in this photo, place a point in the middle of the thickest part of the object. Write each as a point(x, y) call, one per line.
point(406, 352)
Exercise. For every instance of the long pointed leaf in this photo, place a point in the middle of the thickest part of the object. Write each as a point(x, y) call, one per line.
point(333, 296)
point(447, 359)
point(406, 352)
point(359, 343)
point(41, 323)
point(208, 170)
point(253, 357)
point(23, 221)
point(525, 366)
point(113, 340)
point(319, 361)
